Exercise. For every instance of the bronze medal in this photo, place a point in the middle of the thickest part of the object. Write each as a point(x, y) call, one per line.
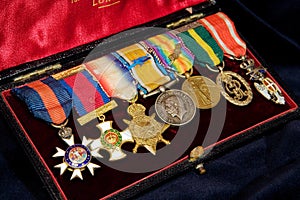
point(204, 92)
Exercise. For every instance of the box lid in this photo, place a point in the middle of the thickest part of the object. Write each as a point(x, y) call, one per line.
point(34, 30)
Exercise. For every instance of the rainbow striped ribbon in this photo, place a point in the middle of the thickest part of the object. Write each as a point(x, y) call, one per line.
point(203, 46)
point(223, 31)
point(113, 76)
point(164, 46)
point(46, 99)
point(143, 68)
point(86, 93)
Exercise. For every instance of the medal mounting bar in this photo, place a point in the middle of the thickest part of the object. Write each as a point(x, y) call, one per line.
point(183, 114)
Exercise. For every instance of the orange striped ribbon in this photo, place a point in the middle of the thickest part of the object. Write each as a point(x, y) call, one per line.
point(50, 101)
point(224, 32)
point(46, 99)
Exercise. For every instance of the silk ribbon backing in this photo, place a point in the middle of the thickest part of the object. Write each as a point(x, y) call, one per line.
point(31, 30)
point(223, 31)
point(46, 99)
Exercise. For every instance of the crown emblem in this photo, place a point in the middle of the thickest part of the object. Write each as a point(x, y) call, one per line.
point(136, 110)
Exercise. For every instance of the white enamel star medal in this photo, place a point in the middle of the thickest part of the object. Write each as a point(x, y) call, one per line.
point(145, 130)
point(111, 139)
point(76, 157)
point(264, 85)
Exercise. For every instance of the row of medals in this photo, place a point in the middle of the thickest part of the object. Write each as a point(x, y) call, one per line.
point(173, 106)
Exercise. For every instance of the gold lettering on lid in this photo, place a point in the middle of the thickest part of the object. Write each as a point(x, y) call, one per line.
point(105, 3)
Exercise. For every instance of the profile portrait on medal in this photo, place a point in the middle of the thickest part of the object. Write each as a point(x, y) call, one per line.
point(174, 107)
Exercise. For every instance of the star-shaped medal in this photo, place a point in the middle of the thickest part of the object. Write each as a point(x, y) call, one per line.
point(270, 91)
point(76, 157)
point(111, 140)
point(145, 130)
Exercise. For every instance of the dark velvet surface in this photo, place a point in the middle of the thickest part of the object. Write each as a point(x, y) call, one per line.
point(236, 122)
point(263, 169)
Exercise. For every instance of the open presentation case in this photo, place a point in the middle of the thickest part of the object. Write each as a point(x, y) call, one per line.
point(93, 30)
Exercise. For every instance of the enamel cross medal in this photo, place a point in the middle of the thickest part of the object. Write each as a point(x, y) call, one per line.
point(111, 139)
point(76, 157)
point(48, 100)
point(264, 85)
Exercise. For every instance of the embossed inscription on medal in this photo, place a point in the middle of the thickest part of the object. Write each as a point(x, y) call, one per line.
point(205, 93)
point(235, 88)
point(175, 107)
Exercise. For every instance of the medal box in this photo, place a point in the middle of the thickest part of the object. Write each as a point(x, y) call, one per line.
point(177, 147)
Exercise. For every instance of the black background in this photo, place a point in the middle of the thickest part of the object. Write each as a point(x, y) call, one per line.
point(266, 168)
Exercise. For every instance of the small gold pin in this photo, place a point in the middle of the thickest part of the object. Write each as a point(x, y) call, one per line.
point(196, 153)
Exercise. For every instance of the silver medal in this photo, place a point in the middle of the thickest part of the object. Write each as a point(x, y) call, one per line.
point(175, 107)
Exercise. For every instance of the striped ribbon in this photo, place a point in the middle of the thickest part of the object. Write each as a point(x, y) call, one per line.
point(86, 93)
point(164, 46)
point(46, 99)
point(203, 46)
point(113, 76)
point(223, 31)
point(148, 74)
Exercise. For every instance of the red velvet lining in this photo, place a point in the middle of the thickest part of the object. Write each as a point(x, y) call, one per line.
point(34, 30)
point(107, 180)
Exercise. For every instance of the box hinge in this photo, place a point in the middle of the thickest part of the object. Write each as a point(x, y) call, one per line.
point(184, 21)
point(38, 72)
point(68, 72)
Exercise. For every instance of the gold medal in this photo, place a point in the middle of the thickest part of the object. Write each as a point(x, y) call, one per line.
point(204, 92)
point(145, 130)
point(234, 88)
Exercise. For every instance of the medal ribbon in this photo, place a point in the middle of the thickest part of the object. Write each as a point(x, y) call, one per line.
point(164, 46)
point(46, 99)
point(223, 31)
point(143, 68)
point(86, 93)
point(204, 47)
point(113, 76)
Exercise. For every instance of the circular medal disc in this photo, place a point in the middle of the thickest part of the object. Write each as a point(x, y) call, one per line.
point(234, 88)
point(77, 156)
point(175, 107)
point(203, 90)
